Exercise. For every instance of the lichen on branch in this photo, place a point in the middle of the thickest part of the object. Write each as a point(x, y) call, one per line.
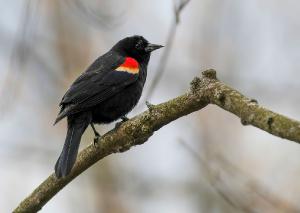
point(205, 90)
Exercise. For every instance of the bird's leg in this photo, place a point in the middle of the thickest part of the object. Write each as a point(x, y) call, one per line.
point(150, 106)
point(124, 119)
point(97, 135)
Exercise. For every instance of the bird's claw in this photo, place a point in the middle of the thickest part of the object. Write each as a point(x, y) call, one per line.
point(96, 139)
point(124, 119)
point(118, 124)
point(97, 135)
point(150, 106)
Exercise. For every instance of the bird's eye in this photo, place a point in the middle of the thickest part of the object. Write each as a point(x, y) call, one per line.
point(139, 45)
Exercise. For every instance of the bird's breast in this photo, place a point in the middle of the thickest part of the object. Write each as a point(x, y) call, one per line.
point(118, 105)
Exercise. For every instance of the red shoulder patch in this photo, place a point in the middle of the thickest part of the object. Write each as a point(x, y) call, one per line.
point(130, 62)
point(130, 65)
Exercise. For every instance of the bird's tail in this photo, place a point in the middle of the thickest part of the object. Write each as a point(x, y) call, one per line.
point(76, 127)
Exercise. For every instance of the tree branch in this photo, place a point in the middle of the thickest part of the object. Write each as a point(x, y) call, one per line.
point(137, 130)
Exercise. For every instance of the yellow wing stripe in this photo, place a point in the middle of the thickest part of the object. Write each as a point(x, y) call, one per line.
point(131, 70)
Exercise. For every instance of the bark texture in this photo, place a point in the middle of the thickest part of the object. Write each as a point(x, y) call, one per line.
point(205, 90)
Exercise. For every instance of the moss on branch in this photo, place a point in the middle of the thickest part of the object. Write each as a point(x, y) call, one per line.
point(203, 91)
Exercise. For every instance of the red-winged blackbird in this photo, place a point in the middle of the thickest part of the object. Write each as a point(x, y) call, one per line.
point(105, 92)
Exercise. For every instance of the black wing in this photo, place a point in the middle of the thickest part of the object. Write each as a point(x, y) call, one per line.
point(97, 84)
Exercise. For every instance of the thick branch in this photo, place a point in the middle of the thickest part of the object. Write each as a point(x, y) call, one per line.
point(137, 130)
point(251, 113)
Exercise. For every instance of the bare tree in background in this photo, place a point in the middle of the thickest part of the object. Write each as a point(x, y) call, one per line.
point(54, 43)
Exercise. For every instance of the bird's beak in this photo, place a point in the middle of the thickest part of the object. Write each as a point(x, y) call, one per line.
point(152, 47)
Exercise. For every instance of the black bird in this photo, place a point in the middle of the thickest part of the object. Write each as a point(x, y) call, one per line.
point(105, 92)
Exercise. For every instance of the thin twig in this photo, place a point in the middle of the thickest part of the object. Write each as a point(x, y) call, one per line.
point(13, 79)
point(240, 203)
point(167, 50)
point(210, 174)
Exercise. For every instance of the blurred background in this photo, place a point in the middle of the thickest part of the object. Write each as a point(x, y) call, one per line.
point(204, 162)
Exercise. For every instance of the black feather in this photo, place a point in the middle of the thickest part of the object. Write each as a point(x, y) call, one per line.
point(101, 94)
point(76, 127)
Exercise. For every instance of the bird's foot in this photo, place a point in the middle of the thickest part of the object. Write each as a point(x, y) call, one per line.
point(124, 119)
point(97, 135)
point(150, 106)
point(96, 139)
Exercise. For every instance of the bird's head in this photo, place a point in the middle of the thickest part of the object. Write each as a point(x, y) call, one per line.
point(135, 46)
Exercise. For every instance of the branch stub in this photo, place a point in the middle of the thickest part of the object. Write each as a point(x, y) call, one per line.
point(211, 73)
